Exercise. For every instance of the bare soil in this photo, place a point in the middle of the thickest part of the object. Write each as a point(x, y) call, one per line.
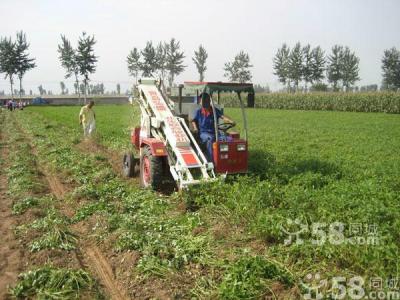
point(11, 262)
point(88, 254)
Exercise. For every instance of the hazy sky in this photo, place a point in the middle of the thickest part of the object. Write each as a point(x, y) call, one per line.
point(224, 27)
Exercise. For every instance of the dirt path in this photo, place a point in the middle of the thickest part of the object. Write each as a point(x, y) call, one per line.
point(103, 269)
point(11, 255)
point(88, 255)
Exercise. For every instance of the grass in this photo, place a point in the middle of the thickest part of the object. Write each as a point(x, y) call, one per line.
point(113, 121)
point(325, 171)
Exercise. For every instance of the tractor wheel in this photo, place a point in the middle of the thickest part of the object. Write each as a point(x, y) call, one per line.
point(151, 170)
point(128, 165)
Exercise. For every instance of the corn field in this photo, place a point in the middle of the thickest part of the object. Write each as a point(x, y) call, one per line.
point(388, 102)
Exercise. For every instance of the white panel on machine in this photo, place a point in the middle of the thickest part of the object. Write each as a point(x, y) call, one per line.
point(173, 128)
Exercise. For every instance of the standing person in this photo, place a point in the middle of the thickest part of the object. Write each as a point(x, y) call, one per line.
point(87, 118)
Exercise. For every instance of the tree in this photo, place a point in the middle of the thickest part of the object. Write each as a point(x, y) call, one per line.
point(148, 66)
point(307, 65)
point(174, 60)
point(281, 65)
point(239, 69)
point(118, 89)
point(69, 61)
point(8, 61)
point(200, 59)
point(334, 70)
point(349, 68)
point(318, 62)
point(86, 59)
point(82, 87)
point(161, 59)
point(134, 64)
point(62, 86)
point(296, 65)
point(391, 69)
point(24, 63)
point(41, 90)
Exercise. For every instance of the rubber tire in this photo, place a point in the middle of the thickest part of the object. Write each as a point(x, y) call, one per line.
point(128, 165)
point(156, 170)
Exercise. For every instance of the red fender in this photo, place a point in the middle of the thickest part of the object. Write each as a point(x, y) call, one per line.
point(135, 137)
point(156, 146)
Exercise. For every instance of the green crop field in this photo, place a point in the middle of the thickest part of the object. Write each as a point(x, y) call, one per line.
point(322, 198)
point(388, 102)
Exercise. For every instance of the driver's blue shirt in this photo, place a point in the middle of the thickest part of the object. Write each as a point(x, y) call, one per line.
point(205, 121)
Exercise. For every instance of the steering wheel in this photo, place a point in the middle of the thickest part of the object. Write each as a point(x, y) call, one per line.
point(226, 126)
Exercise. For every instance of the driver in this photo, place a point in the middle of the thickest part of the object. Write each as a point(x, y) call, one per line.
point(203, 123)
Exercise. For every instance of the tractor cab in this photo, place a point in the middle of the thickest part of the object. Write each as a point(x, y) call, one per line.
point(229, 149)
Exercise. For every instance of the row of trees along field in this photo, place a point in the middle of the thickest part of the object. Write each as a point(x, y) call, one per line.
point(15, 60)
point(301, 64)
point(304, 64)
point(79, 61)
point(166, 60)
point(340, 68)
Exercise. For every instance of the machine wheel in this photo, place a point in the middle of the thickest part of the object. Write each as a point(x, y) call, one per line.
point(128, 165)
point(151, 169)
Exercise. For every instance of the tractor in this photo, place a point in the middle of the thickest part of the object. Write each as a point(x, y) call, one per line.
point(167, 146)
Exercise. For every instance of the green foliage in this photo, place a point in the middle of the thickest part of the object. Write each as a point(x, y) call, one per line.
point(249, 277)
point(134, 64)
point(239, 69)
point(69, 61)
point(161, 59)
point(148, 65)
point(349, 68)
point(174, 60)
point(55, 238)
point(8, 60)
point(200, 59)
point(85, 57)
point(296, 58)
point(307, 70)
point(24, 204)
point(24, 62)
point(53, 232)
point(391, 69)
point(49, 282)
point(318, 62)
point(342, 67)
point(312, 166)
point(281, 64)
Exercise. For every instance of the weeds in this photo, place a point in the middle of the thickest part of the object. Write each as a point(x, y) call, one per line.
point(49, 282)
point(55, 238)
point(310, 166)
point(249, 277)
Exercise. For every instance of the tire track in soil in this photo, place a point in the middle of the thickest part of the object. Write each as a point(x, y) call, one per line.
point(88, 255)
point(10, 253)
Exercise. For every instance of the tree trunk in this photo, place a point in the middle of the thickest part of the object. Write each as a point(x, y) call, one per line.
point(77, 88)
point(12, 88)
point(85, 90)
point(171, 80)
point(20, 88)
